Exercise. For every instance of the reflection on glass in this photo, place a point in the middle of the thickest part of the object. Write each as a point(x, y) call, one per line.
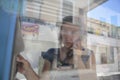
point(57, 52)
point(65, 54)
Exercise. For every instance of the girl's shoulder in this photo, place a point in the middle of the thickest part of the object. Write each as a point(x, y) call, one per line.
point(50, 54)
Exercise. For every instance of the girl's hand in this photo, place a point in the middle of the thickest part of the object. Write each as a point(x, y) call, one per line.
point(22, 64)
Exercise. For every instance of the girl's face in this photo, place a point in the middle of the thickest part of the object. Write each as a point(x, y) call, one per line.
point(69, 34)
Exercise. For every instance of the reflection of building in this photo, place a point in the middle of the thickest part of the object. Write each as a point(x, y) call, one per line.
point(54, 10)
point(118, 32)
point(101, 28)
point(103, 39)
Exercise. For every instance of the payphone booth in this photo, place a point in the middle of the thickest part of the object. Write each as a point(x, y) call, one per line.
point(31, 27)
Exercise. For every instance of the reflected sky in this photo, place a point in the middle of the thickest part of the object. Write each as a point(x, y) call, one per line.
point(108, 12)
point(113, 5)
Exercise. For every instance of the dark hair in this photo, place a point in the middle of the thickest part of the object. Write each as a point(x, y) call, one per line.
point(67, 19)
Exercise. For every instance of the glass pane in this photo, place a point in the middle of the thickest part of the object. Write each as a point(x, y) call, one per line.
point(55, 40)
point(66, 39)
